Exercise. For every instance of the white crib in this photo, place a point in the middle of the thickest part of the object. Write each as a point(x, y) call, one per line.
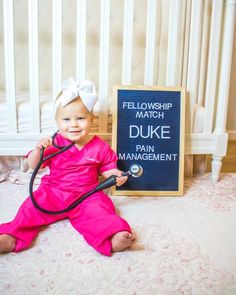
point(153, 42)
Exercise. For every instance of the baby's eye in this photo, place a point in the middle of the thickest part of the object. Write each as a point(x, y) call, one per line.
point(66, 119)
point(80, 118)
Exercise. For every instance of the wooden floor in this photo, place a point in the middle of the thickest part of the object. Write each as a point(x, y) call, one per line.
point(229, 161)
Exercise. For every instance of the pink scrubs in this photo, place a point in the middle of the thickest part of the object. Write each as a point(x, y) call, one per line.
point(72, 173)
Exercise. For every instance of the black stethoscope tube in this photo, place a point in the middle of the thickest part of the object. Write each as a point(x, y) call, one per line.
point(103, 185)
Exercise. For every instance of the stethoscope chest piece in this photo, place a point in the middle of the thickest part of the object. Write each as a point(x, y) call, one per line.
point(136, 170)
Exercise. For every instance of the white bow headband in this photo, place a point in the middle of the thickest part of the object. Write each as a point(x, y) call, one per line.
point(70, 90)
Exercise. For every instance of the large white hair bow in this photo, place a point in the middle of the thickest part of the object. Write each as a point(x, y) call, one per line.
point(70, 90)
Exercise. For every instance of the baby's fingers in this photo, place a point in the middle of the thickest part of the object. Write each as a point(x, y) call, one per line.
point(45, 142)
point(121, 180)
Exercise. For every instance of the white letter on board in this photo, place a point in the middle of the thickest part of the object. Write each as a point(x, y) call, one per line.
point(131, 135)
point(165, 131)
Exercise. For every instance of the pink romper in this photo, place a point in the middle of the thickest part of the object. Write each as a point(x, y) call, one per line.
point(72, 173)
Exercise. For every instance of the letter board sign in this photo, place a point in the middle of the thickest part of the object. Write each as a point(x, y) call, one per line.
point(148, 130)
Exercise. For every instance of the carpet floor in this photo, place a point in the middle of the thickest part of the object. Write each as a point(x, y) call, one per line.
point(188, 247)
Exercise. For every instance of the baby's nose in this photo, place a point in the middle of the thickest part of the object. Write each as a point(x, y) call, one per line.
point(74, 123)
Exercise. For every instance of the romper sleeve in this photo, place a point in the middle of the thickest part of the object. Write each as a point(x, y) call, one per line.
point(109, 159)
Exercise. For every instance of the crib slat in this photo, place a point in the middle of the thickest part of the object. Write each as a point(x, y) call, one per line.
point(81, 40)
point(220, 134)
point(56, 46)
point(173, 50)
point(226, 61)
point(127, 42)
point(9, 57)
point(203, 58)
point(33, 64)
point(103, 65)
point(214, 49)
point(194, 58)
point(150, 43)
point(186, 29)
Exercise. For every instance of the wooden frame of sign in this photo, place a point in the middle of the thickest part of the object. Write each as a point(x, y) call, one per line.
point(148, 130)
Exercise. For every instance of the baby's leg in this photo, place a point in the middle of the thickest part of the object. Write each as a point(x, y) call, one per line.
point(96, 220)
point(24, 227)
point(121, 241)
point(7, 243)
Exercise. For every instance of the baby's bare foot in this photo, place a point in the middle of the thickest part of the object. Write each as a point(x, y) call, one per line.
point(121, 241)
point(7, 243)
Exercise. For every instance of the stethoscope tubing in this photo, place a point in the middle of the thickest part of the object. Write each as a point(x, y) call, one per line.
point(103, 185)
point(39, 164)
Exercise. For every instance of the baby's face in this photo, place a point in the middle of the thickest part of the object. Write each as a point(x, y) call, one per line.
point(74, 121)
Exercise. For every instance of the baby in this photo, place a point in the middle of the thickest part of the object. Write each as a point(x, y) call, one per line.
point(72, 173)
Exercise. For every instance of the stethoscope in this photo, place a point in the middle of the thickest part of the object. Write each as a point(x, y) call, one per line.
point(135, 171)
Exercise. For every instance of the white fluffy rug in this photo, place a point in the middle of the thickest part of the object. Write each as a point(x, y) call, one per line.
point(189, 248)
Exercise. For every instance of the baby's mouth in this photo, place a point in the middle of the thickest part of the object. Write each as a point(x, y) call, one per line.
point(75, 131)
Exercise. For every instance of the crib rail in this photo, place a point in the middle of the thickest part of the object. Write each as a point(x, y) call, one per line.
point(9, 65)
point(169, 43)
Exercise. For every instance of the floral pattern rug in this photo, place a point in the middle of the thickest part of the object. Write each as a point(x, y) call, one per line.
point(188, 247)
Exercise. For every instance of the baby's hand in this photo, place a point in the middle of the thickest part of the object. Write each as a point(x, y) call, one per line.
point(121, 179)
point(44, 142)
